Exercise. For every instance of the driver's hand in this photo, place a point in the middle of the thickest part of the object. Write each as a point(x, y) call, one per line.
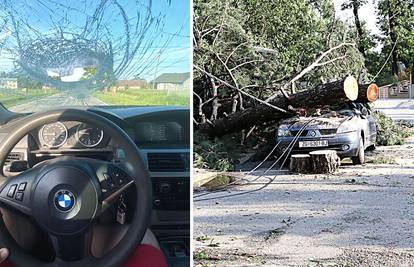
point(4, 253)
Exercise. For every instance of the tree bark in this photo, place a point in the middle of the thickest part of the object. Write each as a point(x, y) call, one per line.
point(324, 161)
point(300, 163)
point(333, 93)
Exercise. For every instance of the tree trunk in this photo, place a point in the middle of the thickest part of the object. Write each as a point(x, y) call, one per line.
point(333, 93)
point(324, 161)
point(393, 36)
point(355, 8)
point(300, 163)
point(369, 95)
point(215, 100)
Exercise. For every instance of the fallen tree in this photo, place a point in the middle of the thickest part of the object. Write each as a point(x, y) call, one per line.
point(333, 93)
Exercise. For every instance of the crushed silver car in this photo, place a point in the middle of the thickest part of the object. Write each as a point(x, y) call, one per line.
point(349, 130)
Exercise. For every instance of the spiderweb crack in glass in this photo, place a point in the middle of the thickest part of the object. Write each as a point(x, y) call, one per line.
point(63, 56)
point(85, 45)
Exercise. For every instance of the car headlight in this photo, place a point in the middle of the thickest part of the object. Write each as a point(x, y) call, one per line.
point(346, 128)
point(283, 131)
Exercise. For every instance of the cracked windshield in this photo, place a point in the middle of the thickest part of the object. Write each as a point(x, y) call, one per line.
point(110, 52)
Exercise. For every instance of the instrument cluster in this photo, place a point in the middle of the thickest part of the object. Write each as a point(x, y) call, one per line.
point(72, 134)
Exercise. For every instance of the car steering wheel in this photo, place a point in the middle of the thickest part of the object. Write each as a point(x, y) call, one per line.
point(67, 194)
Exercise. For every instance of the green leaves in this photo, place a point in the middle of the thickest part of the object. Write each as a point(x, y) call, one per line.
point(227, 34)
point(396, 21)
point(390, 133)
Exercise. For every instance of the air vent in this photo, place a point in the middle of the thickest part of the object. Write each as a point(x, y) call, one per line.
point(169, 162)
point(13, 156)
point(304, 133)
point(327, 131)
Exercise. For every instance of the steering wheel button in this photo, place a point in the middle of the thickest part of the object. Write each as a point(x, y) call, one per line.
point(19, 196)
point(11, 191)
point(106, 176)
point(22, 187)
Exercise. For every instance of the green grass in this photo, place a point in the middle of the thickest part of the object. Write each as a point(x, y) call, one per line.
point(21, 97)
point(145, 97)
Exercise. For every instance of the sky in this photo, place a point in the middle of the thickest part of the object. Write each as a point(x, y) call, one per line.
point(44, 18)
point(367, 13)
point(177, 19)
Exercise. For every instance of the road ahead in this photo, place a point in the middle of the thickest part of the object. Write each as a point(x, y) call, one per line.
point(64, 99)
point(397, 109)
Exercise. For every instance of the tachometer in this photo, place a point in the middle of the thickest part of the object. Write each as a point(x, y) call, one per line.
point(89, 136)
point(54, 134)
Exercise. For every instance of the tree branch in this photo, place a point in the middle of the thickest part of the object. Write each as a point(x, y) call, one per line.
point(306, 70)
point(242, 92)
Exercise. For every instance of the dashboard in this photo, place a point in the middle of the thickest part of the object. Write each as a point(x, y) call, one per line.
point(159, 129)
point(162, 135)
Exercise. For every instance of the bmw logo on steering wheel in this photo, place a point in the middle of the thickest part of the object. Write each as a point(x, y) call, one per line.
point(64, 200)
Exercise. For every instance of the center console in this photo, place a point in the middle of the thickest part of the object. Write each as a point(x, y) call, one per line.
point(171, 193)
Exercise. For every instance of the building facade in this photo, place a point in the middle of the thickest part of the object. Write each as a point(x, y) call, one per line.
point(172, 81)
point(400, 91)
point(9, 83)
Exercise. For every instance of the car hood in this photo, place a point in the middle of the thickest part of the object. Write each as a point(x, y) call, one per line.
point(318, 123)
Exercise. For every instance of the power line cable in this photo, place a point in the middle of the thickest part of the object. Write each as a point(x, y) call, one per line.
point(288, 149)
point(386, 61)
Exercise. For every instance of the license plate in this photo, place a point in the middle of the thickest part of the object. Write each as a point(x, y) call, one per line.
point(320, 143)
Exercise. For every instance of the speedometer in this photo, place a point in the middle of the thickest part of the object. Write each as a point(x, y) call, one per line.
point(89, 136)
point(54, 134)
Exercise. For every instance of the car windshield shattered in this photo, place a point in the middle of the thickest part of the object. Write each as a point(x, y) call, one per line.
point(93, 53)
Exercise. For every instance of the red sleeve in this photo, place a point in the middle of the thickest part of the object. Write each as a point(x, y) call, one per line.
point(144, 256)
point(6, 263)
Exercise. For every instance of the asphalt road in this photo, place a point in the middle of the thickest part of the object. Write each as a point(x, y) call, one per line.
point(63, 99)
point(360, 216)
point(397, 109)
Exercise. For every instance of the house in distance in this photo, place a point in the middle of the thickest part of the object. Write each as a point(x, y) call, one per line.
point(132, 84)
point(167, 81)
point(9, 83)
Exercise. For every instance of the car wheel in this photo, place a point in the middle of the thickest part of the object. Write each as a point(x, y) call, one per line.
point(360, 158)
point(371, 147)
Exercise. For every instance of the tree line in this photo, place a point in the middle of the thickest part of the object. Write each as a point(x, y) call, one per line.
point(247, 53)
point(253, 50)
